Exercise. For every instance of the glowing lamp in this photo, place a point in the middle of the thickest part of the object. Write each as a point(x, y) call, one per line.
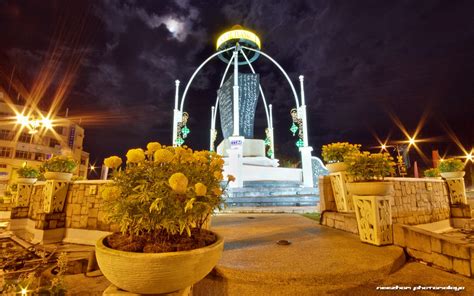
point(411, 141)
point(21, 119)
point(47, 123)
point(241, 36)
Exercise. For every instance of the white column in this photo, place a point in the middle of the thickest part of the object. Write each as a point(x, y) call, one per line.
point(270, 131)
point(211, 135)
point(306, 162)
point(302, 113)
point(236, 93)
point(175, 114)
point(307, 166)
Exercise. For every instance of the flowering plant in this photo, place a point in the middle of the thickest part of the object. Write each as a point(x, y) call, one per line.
point(164, 190)
point(28, 172)
point(451, 165)
point(336, 152)
point(60, 164)
point(431, 173)
point(366, 166)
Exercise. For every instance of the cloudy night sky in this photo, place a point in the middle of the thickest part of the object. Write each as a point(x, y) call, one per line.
point(365, 63)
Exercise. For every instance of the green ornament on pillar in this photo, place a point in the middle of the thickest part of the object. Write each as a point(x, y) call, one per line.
point(270, 153)
point(179, 141)
point(267, 142)
point(299, 143)
point(294, 128)
point(185, 131)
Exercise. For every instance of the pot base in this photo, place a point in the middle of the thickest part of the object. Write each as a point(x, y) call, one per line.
point(113, 290)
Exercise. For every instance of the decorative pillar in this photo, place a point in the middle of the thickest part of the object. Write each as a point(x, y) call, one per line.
point(457, 190)
point(54, 195)
point(176, 114)
point(23, 194)
point(342, 196)
point(236, 118)
point(306, 162)
point(374, 219)
point(270, 131)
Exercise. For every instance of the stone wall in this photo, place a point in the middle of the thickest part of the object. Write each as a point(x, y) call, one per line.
point(414, 201)
point(83, 207)
point(419, 201)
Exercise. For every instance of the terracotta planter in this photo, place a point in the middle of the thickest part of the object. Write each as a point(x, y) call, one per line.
point(26, 180)
point(155, 273)
point(336, 167)
point(452, 175)
point(58, 176)
point(378, 188)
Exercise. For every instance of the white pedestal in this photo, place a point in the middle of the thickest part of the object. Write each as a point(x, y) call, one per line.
point(235, 160)
point(307, 166)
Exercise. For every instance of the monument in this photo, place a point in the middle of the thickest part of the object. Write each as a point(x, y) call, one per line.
point(239, 93)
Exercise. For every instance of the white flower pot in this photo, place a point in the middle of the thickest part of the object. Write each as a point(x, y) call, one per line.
point(453, 175)
point(156, 273)
point(336, 167)
point(26, 180)
point(379, 188)
point(58, 176)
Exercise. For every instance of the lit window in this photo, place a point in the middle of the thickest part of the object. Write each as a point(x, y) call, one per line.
point(5, 151)
point(22, 154)
point(25, 138)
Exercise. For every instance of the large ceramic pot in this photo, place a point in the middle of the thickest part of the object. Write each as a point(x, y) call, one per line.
point(58, 176)
point(155, 273)
point(336, 167)
point(453, 175)
point(370, 188)
point(26, 180)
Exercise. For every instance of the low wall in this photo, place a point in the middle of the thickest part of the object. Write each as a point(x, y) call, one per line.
point(419, 201)
point(414, 201)
point(82, 210)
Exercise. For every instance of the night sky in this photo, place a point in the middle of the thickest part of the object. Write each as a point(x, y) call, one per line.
point(365, 63)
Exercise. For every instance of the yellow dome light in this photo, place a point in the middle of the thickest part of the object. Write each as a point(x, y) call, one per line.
point(240, 35)
point(245, 38)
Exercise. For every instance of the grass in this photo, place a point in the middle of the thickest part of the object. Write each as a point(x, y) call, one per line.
point(313, 216)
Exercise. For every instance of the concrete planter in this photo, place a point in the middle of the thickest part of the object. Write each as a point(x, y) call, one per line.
point(374, 219)
point(452, 175)
point(54, 195)
point(156, 273)
point(336, 167)
point(22, 197)
point(26, 180)
point(58, 176)
point(342, 195)
point(370, 188)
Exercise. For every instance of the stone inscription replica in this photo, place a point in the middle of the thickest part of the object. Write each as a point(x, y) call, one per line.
point(248, 96)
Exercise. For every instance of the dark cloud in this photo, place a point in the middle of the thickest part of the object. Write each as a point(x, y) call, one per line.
point(361, 60)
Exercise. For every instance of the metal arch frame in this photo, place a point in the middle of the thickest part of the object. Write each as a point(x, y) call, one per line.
point(183, 98)
point(281, 69)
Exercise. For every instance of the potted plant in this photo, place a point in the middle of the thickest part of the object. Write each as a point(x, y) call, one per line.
point(59, 168)
point(368, 171)
point(334, 155)
point(27, 175)
point(161, 201)
point(432, 173)
point(451, 168)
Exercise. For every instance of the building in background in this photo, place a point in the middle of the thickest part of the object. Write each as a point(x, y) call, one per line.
point(64, 137)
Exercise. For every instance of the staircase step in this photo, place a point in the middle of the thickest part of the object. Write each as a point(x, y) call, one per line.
point(271, 191)
point(260, 184)
point(273, 201)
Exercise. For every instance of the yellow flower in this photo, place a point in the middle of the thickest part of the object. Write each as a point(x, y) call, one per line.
point(200, 189)
point(217, 162)
point(179, 183)
point(230, 178)
point(135, 155)
point(217, 191)
point(113, 162)
point(153, 146)
point(218, 175)
point(163, 156)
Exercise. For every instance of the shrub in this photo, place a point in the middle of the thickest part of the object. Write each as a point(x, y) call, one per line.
point(28, 172)
point(170, 190)
point(60, 164)
point(366, 166)
point(431, 173)
point(451, 165)
point(336, 152)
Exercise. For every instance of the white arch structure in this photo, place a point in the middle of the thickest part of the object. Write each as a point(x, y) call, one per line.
point(305, 150)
